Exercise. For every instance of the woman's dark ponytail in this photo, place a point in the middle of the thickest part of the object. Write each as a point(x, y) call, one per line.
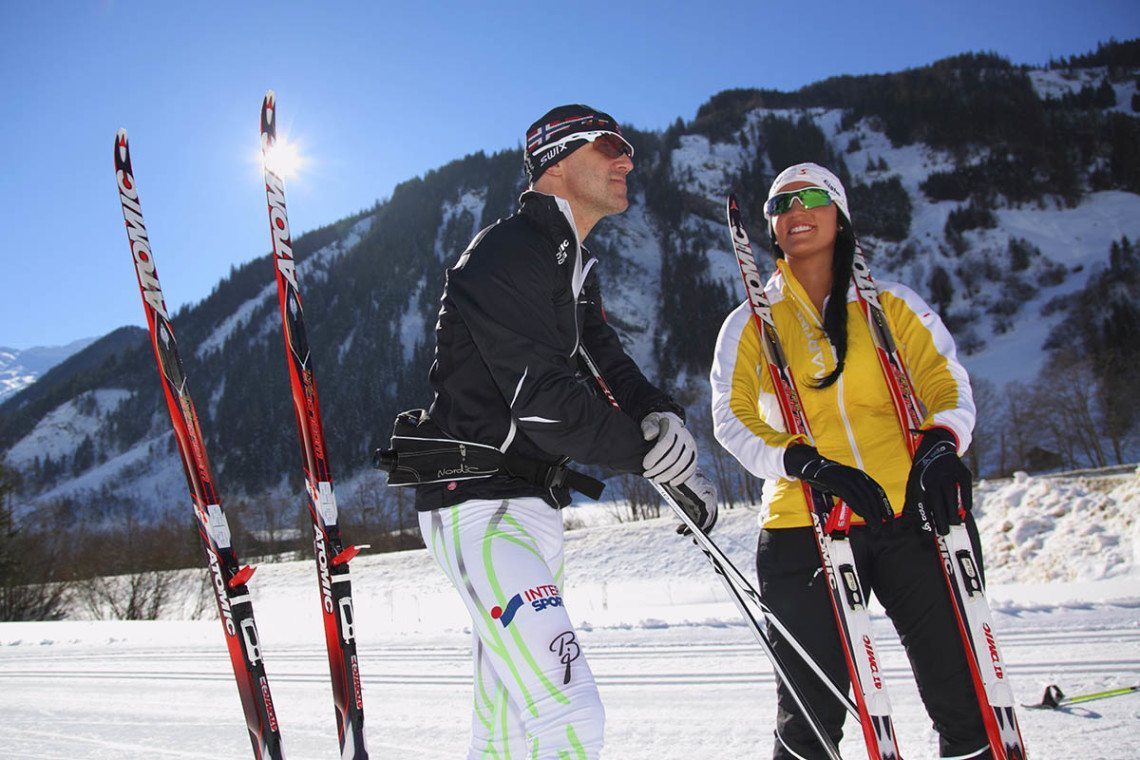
point(835, 313)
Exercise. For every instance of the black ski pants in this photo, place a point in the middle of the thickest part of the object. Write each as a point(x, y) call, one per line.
point(901, 568)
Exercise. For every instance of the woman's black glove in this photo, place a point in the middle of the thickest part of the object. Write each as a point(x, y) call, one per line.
point(937, 478)
point(858, 490)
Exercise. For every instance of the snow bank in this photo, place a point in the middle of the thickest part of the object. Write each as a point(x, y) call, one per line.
point(1059, 529)
point(1047, 541)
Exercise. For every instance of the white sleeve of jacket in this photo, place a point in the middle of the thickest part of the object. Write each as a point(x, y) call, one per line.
point(928, 349)
point(741, 404)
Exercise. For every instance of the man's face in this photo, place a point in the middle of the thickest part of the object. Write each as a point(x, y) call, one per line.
point(595, 179)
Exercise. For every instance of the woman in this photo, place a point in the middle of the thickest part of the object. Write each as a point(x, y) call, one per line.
point(859, 455)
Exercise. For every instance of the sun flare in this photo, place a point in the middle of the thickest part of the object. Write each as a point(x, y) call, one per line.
point(284, 159)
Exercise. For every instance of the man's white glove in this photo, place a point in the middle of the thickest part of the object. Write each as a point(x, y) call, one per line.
point(673, 459)
point(697, 496)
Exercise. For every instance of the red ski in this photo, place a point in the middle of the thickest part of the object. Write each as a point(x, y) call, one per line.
point(229, 576)
point(331, 556)
point(959, 565)
point(848, 601)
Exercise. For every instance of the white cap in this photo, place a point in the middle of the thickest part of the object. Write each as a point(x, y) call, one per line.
point(814, 175)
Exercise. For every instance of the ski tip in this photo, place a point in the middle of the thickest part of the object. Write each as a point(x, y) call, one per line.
point(268, 113)
point(122, 149)
point(732, 208)
point(735, 220)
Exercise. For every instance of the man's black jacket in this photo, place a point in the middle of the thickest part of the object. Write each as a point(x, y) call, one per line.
point(506, 370)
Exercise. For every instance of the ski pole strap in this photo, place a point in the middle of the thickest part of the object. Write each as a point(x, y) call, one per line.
point(423, 453)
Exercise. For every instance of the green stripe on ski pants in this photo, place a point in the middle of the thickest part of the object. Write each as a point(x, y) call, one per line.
point(534, 694)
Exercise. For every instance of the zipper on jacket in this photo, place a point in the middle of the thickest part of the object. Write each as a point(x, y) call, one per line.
point(577, 335)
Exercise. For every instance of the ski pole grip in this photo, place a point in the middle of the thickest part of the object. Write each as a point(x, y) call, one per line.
point(384, 459)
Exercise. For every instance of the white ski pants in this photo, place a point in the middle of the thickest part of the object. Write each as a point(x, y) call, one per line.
point(535, 697)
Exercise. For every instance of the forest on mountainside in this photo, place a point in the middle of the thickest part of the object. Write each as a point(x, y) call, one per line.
point(371, 284)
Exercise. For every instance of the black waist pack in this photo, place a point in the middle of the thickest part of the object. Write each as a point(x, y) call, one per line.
point(423, 453)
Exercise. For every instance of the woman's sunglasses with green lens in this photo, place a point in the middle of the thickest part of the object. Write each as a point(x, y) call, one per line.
point(809, 197)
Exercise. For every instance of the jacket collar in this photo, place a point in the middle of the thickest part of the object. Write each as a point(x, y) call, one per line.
point(551, 214)
point(785, 280)
point(553, 217)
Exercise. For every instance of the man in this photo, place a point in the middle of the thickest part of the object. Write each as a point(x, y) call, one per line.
point(518, 307)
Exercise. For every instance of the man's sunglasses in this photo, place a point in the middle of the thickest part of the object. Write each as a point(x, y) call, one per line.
point(610, 144)
point(809, 197)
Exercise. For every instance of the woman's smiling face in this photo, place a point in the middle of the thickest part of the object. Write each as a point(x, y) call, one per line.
point(804, 232)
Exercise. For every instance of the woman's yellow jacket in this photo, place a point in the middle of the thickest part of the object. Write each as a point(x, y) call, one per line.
point(853, 421)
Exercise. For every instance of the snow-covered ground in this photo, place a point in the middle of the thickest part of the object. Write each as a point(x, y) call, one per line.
point(679, 673)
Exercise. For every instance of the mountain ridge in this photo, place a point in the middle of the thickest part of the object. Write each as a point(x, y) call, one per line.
point(20, 367)
point(985, 221)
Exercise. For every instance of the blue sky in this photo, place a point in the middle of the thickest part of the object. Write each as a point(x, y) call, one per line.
point(377, 93)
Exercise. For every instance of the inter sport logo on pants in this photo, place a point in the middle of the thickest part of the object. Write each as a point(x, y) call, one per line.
point(506, 616)
point(540, 597)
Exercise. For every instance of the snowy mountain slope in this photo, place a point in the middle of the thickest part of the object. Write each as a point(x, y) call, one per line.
point(630, 267)
point(316, 270)
point(154, 485)
point(20, 368)
point(1054, 83)
point(1071, 240)
point(371, 282)
point(60, 431)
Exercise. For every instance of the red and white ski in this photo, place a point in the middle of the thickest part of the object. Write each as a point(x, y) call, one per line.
point(959, 565)
point(331, 556)
point(229, 576)
point(829, 521)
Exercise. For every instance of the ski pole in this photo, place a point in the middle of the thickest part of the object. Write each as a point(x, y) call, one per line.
point(719, 562)
point(737, 578)
point(1055, 699)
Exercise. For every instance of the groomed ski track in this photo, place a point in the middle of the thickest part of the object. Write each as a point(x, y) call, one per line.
point(676, 691)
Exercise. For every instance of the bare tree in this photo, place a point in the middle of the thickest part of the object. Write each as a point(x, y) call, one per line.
point(639, 499)
point(32, 585)
point(1064, 400)
point(1021, 434)
point(364, 508)
point(734, 484)
point(985, 454)
point(138, 596)
point(382, 517)
point(268, 523)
